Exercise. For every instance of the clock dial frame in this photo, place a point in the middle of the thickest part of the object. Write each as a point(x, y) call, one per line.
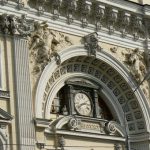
point(83, 104)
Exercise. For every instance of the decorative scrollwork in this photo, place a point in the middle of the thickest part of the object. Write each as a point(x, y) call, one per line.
point(73, 123)
point(110, 127)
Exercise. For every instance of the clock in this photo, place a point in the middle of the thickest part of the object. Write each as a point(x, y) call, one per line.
point(82, 104)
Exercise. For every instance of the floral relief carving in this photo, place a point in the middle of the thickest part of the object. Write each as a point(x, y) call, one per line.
point(44, 44)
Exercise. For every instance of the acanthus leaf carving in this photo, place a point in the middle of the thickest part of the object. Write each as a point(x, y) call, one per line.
point(91, 43)
point(4, 24)
point(25, 27)
point(11, 24)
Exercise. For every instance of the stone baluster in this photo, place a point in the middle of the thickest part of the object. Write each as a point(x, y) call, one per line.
point(20, 4)
point(137, 27)
point(125, 22)
point(70, 7)
point(112, 19)
point(84, 9)
point(56, 4)
point(4, 2)
point(99, 15)
point(40, 6)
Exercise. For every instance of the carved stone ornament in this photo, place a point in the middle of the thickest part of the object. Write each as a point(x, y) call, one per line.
point(70, 7)
point(99, 14)
point(56, 8)
point(84, 8)
point(134, 60)
point(110, 127)
point(4, 2)
point(40, 6)
point(91, 43)
point(72, 123)
point(137, 27)
point(20, 4)
point(125, 22)
point(44, 45)
point(112, 17)
point(11, 24)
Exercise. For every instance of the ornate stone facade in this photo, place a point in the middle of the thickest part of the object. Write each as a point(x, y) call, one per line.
point(74, 74)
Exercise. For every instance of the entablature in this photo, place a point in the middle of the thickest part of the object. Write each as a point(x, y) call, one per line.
point(115, 22)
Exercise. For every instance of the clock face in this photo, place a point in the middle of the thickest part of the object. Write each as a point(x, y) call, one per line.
point(82, 104)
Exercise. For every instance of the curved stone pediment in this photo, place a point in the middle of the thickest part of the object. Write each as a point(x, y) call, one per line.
point(86, 125)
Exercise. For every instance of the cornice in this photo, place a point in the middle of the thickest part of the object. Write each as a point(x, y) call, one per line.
point(132, 15)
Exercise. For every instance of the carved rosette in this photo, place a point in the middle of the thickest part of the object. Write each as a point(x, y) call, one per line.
point(74, 123)
point(110, 127)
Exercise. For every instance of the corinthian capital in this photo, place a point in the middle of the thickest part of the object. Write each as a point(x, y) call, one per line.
point(13, 25)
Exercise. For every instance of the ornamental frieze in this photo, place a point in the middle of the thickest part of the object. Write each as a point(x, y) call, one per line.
point(101, 15)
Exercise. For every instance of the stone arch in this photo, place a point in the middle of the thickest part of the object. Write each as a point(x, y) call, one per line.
point(133, 105)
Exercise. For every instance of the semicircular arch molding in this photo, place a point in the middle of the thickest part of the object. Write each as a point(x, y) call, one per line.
point(111, 73)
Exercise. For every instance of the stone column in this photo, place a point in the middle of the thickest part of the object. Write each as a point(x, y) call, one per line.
point(24, 118)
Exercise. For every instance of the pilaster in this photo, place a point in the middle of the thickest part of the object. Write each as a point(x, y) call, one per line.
point(26, 133)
